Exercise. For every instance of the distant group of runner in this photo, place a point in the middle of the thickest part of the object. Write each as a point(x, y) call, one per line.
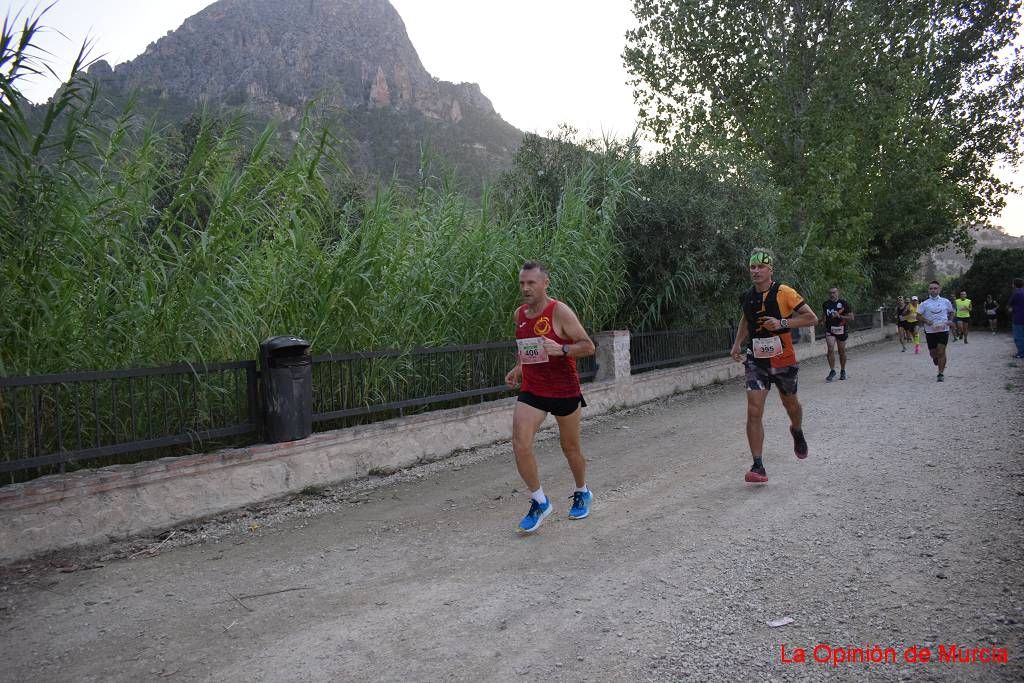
point(550, 337)
point(938, 316)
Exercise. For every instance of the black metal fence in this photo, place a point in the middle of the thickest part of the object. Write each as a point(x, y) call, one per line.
point(653, 350)
point(863, 321)
point(359, 387)
point(49, 421)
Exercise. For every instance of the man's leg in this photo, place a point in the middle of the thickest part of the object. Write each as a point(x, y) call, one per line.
point(841, 345)
point(793, 408)
point(755, 426)
point(940, 356)
point(830, 354)
point(796, 420)
point(526, 420)
point(755, 434)
point(569, 438)
point(1018, 339)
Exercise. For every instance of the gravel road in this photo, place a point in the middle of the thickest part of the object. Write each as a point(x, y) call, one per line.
point(903, 529)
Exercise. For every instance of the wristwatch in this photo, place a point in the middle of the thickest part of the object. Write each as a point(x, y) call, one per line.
point(565, 349)
point(784, 323)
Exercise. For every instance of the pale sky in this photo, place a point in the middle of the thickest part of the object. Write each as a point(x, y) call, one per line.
point(541, 62)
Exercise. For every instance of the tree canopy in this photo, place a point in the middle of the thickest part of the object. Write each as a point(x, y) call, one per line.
point(878, 122)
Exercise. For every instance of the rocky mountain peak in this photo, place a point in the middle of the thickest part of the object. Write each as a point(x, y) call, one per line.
point(275, 55)
point(272, 57)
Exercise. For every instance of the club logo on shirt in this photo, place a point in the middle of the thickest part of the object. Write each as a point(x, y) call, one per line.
point(542, 327)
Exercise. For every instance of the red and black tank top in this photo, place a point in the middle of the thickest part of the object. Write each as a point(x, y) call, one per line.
point(557, 378)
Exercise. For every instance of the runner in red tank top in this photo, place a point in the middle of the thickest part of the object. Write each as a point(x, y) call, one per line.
point(550, 338)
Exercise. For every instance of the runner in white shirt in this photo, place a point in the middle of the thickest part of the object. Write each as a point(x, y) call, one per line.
point(936, 314)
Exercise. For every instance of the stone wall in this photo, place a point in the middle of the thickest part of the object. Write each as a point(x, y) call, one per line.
point(95, 506)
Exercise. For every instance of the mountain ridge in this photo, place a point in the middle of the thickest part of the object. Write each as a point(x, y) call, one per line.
point(272, 57)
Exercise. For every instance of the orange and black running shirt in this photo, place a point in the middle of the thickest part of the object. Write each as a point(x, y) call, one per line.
point(770, 349)
point(555, 377)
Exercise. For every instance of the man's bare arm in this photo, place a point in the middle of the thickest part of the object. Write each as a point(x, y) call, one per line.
point(572, 328)
point(514, 377)
point(742, 334)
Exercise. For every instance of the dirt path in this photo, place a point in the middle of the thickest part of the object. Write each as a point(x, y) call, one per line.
point(903, 528)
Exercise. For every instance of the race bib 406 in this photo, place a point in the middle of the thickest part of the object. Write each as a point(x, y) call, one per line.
point(532, 350)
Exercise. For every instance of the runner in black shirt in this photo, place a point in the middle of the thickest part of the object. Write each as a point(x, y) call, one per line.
point(838, 314)
point(992, 313)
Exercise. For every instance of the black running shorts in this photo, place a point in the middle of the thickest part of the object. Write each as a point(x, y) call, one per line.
point(560, 407)
point(762, 379)
point(936, 339)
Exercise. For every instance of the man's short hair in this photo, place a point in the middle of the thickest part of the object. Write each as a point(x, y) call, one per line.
point(535, 265)
point(1018, 282)
point(935, 282)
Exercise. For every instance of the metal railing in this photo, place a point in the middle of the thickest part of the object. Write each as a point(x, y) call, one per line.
point(386, 383)
point(48, 421)
point(653, 350)
point(863, 321)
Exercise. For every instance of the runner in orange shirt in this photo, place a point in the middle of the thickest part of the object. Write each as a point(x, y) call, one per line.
point(770, 311)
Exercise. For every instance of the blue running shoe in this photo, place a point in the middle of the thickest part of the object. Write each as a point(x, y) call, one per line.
point(581, 504)
point(535, 516)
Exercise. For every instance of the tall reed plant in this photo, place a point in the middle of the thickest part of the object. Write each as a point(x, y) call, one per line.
point(123, 243)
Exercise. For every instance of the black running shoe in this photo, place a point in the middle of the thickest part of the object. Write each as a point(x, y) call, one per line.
point(831, 376)
point(799, 443)
point(842, 374)
point(940, 378)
